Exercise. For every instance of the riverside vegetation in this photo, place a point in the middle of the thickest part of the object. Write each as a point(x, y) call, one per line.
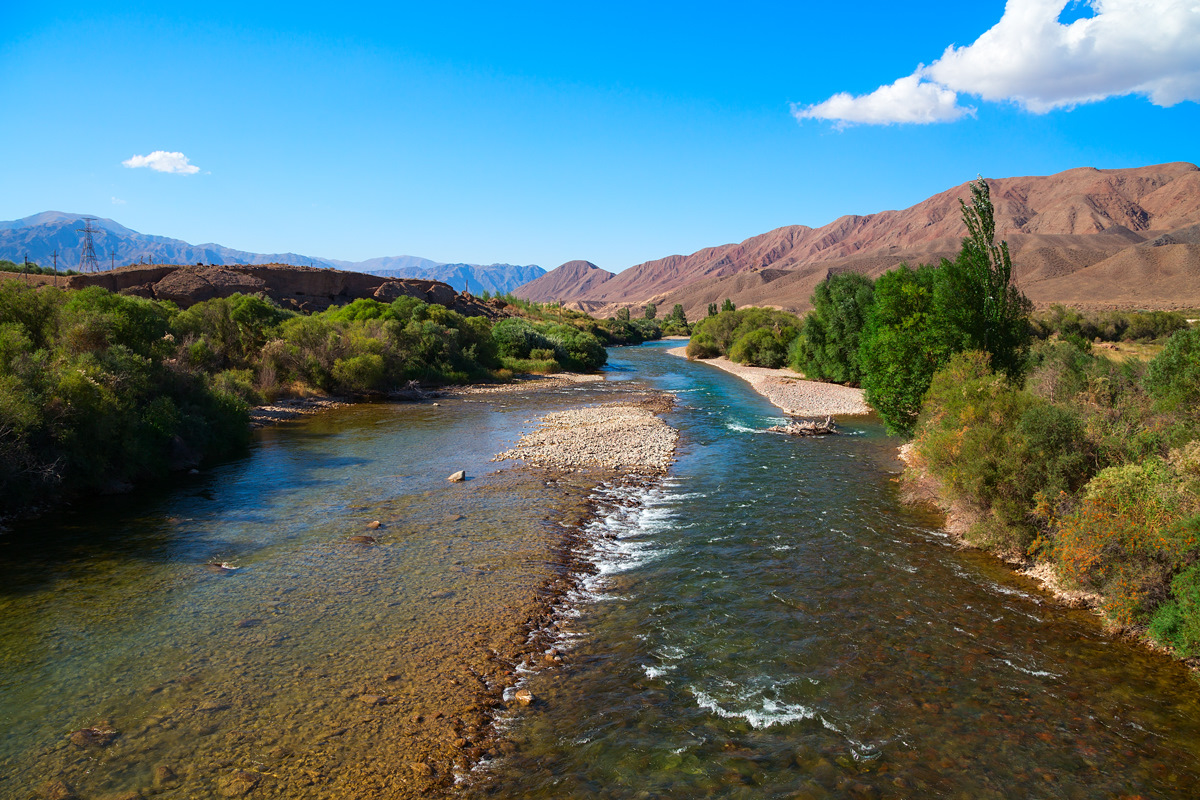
point(100, 390)
point(1043, 448)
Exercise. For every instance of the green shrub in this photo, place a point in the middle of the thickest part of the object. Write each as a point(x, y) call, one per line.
point(1177, 621)
point(530, 365)
point(703, 345)
point(576, 349)
point(515, 338)
point(358, 374)
point(1173, 377)
point(1134, 528)
point(759, 348)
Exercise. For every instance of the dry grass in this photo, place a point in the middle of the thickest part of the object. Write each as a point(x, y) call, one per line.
point(1122, 351)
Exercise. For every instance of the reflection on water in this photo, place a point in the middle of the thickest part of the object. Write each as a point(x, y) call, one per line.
point(770, 622)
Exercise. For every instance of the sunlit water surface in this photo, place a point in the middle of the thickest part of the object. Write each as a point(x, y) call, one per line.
point(772, 622)
point(768, 621)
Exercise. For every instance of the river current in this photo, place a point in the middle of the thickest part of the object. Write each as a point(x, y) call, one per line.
point(767, 621)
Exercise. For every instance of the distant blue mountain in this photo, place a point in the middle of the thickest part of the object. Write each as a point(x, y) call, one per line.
point(495, 278)
point(38, 237)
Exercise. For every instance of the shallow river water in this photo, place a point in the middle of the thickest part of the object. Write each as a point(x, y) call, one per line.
point(767, 621)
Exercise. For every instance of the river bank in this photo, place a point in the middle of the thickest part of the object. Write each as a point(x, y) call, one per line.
point(921, 488)
point(790, 392)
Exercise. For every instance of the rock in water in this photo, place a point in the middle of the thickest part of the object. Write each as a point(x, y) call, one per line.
point(56, 790)
point(523, 696)
point(373, 525)
point(239, 784)
point(461, 475)
point(99, 736)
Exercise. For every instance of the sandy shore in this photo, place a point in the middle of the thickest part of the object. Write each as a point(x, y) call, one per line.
point(625, 436)
point(793, 394)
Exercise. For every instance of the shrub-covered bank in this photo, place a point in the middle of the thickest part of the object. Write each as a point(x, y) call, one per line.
point(1043, 449)
point(101, 390)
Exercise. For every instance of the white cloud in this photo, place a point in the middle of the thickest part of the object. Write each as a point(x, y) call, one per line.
point(907, 100)
point(163, 161)
point(1142, 47)
point(116, 201)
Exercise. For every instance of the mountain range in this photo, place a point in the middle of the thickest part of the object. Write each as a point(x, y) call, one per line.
point(41, 236)
point(1092, 238)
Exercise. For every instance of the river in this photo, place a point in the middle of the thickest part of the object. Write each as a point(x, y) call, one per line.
point(767, 621)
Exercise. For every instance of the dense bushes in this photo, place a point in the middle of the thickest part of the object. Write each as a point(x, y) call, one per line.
point(756, 336)
point(1174, 376)
point(1081, 466)
point(90, 397)
point(1107, 326)
point(99, 389)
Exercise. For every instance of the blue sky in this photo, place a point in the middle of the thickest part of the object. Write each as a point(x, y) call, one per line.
point(547, 132)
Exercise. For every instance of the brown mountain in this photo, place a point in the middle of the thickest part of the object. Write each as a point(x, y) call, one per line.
point(1085, 236)
point(567, 281)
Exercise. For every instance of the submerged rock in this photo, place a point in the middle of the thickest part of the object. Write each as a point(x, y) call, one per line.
point(238, 784)
point(164, 775)
point(98, 736)
point(56, 790)
point(524, 697)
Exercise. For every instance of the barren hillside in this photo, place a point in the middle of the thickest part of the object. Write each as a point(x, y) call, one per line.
point(1078, 236)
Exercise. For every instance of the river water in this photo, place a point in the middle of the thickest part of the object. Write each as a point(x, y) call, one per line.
point(767, 621)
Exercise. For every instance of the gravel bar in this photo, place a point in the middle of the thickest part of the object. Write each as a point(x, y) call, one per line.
point(626, 436)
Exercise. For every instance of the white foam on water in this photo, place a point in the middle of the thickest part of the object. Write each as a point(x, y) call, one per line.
point(1037, 673)
point(771, 713)
point(996, 587)
point(622, 537)
point(737, 427)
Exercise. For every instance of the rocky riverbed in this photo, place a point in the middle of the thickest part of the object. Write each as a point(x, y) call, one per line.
point(626, 436)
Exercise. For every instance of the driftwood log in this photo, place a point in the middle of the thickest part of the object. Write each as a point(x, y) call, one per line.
point(806, 427)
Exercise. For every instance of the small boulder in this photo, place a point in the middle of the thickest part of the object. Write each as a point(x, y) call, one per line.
point(362, 539)
point(421, 769)
point(524, 697)
point(56, 790)
point(98, 736)
point(237, 784)
point(373, 525)
point(164, 776)
point(461, 475)
point(373, 699)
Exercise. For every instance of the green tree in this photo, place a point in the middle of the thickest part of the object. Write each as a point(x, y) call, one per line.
point(977, 305)
point(651, 310)
point(623, 313)
point(677, 314)
point(900, 349)
point(712, 309)
point(828, 348)
point(727, 305)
